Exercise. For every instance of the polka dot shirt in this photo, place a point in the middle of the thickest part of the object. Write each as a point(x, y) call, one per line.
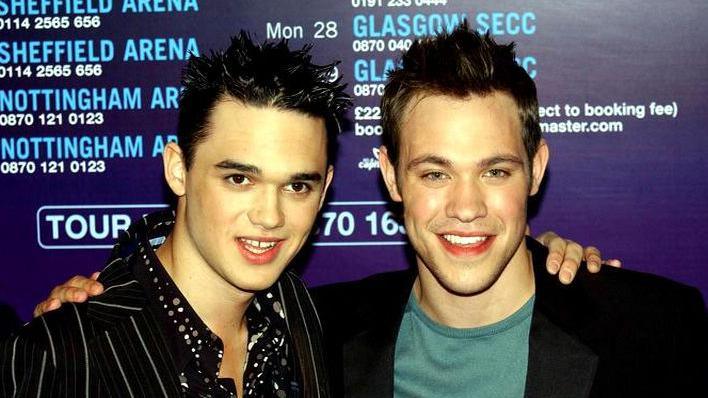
point(198, 352)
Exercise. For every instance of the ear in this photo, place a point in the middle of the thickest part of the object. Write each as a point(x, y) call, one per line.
point(388, 172)
point(328, 181)
point(174, 168)
point(538, 167)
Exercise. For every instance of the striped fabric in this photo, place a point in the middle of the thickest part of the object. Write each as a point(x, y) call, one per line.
point(112, 346)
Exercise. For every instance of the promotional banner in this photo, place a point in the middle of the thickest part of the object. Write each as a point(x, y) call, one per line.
point(88, 99)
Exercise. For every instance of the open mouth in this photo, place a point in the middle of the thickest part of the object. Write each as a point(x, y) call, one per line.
point(259, 251)
point(464, 240)
point(256, 246)
point(460, 245)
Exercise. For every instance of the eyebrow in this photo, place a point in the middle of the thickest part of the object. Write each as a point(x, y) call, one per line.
point(314, 177)
point(252, 169)
point(484, 163)
point(238, 166)
point(432, 159)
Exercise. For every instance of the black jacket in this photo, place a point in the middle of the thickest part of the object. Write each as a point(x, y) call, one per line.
point(618, 333)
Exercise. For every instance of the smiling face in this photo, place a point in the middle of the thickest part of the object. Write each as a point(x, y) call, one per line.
point(463, 178)
point(252, 192)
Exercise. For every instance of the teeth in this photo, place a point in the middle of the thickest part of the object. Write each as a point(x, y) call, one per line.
point(256, 251)
point(256, 246)
point(464, 240)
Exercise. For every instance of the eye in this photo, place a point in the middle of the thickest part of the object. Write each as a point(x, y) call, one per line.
point(435, 176)
point(238, 179)
point(496, 173)
point(298, 187)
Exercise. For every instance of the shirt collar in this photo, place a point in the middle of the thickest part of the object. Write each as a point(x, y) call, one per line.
point(197, 351)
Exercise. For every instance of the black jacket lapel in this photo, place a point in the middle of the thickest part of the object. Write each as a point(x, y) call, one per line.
point(368, 365)
point(132, 359)
point(368, 355)
point(128, 351)
point(559, 364)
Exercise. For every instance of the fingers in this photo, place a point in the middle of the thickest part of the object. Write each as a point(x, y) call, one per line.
point(593, 258)
point(556, 249)
point(47, 305)
point(572, 257)
point(60, 294)
point(76, 290)
point(89, 286)
point(564, 256)
point(613, 262)
point(64, 293)
point(75, 295)
point(95, 288)
point(547, 237)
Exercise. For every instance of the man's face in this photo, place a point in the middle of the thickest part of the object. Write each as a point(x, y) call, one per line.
point(253, 191)
point(463, 178)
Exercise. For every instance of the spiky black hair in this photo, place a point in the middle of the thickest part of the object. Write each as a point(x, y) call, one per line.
point(266, 74)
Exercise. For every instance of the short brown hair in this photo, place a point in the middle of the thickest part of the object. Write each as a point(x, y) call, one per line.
point(458, 64)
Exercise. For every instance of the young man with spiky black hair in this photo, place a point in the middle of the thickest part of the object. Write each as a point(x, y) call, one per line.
point(199, 303)
point(478, 316)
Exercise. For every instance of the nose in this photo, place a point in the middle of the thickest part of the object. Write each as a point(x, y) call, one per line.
point(266, 211)
point(466, 201)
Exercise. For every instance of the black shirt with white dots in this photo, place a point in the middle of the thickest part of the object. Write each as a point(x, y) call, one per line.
point(197, 351)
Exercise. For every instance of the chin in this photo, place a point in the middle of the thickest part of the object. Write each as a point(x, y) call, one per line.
point(253, 286)
point(253, 279)
point(466, 283)
point(466, 289)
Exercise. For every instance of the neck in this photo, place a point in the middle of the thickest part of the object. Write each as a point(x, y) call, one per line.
point(514, 287)
point(220, 305)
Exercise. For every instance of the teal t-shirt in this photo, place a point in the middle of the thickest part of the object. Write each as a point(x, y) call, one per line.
point(433, 360)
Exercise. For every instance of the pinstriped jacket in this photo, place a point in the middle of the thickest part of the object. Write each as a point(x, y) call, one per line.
point(112, 345)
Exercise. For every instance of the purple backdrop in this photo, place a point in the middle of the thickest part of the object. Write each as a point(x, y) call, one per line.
point(87, 101)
